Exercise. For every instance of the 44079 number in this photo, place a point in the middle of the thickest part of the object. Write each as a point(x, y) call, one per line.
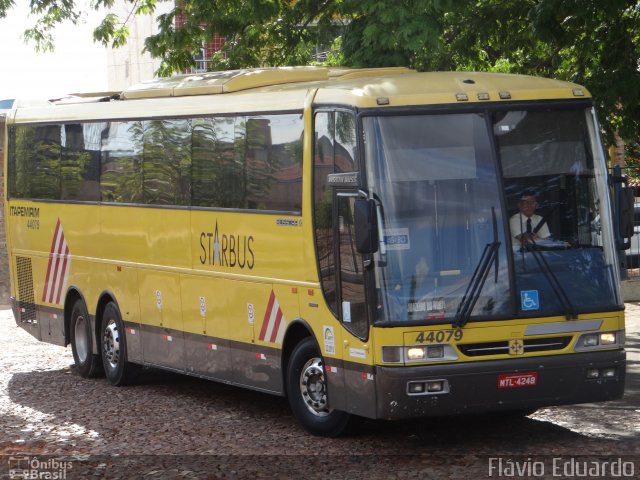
point(439, 336)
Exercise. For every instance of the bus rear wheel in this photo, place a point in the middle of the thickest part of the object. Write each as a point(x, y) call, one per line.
point(88, 364)
point(307, 392)
point(117, 369)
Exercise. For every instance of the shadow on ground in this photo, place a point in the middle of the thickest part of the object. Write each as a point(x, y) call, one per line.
point(170, 413)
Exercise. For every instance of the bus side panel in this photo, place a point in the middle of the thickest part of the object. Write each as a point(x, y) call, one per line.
point(47, 239)
point(255, 359)
point(359, 375)
point(205, 316)
point(249, 252)
point(157, 238)
point(161, 318)
point(122, 282)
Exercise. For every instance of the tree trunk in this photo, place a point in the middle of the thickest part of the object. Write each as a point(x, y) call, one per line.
point(618, 151)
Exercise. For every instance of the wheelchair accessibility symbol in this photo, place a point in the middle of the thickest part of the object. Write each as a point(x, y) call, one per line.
point(529, 300)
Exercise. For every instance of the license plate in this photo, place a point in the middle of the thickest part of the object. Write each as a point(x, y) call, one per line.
point(515, 380)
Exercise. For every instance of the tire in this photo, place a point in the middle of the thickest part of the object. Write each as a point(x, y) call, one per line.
point(88, 364)
point(113, 343)
point(307, 393)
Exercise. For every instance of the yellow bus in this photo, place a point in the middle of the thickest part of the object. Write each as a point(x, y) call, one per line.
point(371, 243)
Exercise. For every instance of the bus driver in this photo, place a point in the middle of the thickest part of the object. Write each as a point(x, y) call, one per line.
point(526, 226)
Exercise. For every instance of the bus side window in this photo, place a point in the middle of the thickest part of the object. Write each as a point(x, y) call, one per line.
point(166, 162)
point(273, 162)
point(121, 163)
point(35, 158)
point(217, 172)
point(80, 162)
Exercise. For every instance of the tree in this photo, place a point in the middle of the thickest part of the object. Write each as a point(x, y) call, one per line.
point(595, 43)
point(592, 42)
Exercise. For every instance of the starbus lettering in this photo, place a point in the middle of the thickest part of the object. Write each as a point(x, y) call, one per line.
point(226, 250)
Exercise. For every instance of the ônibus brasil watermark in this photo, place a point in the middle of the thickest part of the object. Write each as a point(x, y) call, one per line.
point(561, 467)
point(32, 468)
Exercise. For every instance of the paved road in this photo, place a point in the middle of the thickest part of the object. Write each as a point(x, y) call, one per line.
point(170, 426)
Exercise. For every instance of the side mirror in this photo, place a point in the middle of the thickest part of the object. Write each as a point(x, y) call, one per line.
point(366, 225)
point(625, 213)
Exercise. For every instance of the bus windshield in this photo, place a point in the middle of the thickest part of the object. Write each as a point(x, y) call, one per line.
point(450, 195)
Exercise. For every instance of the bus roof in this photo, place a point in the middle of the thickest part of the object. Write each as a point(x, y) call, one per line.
point(287, 88)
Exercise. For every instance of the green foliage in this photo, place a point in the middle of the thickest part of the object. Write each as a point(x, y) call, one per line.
point(110, 32)
point(5, 6)
point(258, 33)
point(592, 42)
point(392, 33)
point(632, 158)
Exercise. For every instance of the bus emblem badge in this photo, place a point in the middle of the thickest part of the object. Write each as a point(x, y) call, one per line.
point(516, 347)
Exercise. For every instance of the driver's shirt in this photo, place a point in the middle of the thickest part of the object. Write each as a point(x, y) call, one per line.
point(518, 225)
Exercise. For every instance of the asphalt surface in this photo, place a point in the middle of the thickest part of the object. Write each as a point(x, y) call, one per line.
point(171, 426)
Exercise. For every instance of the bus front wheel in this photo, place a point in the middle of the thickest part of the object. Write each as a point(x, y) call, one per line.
point(88, 364)
point(114, 348)
point(307, 392)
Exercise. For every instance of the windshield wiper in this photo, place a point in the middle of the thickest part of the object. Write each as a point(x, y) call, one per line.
point(567, 306)
point(479, 277)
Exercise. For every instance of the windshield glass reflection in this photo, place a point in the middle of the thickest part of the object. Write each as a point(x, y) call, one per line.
point(453, 229)
point(551, 186)
point(435, 177)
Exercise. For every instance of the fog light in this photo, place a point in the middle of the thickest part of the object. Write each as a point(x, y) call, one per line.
point(416, 353)
point(590, 340)
point(435, 352)
point(593, 373)
point(607, 338)
point(416, 387)
point(435, 386)
point(609, 372)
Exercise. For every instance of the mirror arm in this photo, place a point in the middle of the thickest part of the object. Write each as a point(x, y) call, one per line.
point(381, 241)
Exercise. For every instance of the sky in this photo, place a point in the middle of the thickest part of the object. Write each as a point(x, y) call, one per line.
point(77, 65)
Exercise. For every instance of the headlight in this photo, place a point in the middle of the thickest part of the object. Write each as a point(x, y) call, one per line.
point(429, 353)
point(416, 353)
point(600, 340)
point(608, 338)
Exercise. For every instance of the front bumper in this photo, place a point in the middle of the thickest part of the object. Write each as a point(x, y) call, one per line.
point(473, 387)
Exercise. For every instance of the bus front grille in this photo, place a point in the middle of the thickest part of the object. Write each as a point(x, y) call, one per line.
point(502, 348)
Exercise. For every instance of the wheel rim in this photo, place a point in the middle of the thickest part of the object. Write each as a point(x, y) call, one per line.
point(81, 340)
point(111, 344)
point(313, 387)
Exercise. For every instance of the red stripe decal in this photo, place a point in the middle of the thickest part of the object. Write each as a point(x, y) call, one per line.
point(62, 274)
point(53, 246)
point(267, 315)
point(274, 332)
point(57, 267)
point(55, 277)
